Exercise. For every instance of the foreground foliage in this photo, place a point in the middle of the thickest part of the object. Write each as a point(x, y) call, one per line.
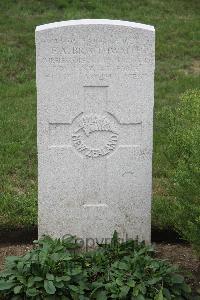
point(183, 154)
point(55, 269)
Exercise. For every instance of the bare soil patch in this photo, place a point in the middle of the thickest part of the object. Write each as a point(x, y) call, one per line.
point(10, 250)
point(184, 257)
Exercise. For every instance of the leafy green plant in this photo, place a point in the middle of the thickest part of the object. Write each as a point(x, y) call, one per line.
point(183, 153)
point(55, 269)
point(50, 269)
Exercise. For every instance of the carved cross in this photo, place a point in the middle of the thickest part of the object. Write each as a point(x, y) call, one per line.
point(95, 135)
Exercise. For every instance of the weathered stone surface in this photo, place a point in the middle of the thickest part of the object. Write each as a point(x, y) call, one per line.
point(95, 90)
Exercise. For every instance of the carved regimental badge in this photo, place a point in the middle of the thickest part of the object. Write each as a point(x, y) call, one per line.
point(95, 135)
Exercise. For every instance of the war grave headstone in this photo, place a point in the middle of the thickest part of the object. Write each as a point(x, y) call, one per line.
point(95, 92)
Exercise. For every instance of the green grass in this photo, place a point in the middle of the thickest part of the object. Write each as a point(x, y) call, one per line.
point(177, 69)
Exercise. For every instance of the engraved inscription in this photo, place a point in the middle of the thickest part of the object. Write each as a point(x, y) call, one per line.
point(95, 135)
point(91, 50)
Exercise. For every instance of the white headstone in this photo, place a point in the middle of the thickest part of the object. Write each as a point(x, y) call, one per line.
point(95, 90)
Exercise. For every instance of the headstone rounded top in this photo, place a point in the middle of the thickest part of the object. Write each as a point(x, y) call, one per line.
point(94, 22)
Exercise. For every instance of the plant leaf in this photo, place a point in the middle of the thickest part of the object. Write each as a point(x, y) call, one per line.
point(50, 276)
point(159, 296)
point(124, 291)
point(176, 278)
point(101, 295)
point(5, 285)
point(32, 292)
point(139, 297)
point(49, 287)
point(17, 289)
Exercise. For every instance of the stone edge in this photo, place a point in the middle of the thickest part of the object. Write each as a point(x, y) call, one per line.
point(94, 22)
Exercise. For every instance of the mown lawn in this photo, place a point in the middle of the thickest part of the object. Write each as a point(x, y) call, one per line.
point(177, 70)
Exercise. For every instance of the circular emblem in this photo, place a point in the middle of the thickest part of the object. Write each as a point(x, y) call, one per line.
point(95, 135)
